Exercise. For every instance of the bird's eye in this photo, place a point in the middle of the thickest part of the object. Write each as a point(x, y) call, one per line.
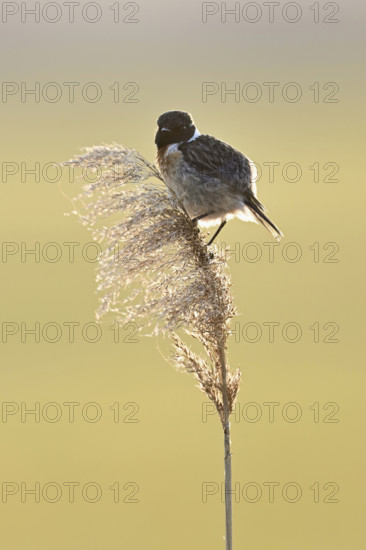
point(184, 128)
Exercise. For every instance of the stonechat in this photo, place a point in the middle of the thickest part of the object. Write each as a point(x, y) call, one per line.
point(212, 180)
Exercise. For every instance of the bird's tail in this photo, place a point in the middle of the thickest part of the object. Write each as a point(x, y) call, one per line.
point(257, 210)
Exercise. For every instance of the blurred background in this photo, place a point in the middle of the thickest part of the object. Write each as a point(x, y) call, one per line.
point(120, 450)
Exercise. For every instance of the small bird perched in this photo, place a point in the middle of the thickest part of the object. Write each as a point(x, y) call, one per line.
point(214, 181)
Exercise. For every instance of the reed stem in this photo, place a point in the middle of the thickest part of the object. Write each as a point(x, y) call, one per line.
point(227, 455)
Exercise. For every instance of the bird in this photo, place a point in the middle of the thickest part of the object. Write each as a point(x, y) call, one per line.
point(213, 181)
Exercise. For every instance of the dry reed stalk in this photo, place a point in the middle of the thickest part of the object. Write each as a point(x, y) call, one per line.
point(155, 248)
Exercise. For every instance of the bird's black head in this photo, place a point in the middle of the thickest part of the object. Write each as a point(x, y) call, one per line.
point(174, 127)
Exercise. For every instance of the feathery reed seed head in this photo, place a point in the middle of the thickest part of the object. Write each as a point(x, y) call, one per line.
point(151, 246)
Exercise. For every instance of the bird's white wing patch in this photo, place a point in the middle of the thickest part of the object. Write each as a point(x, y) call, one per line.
point(195, 135)
point(173, 148)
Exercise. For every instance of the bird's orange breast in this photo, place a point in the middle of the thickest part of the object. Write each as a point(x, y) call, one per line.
point(168, 160)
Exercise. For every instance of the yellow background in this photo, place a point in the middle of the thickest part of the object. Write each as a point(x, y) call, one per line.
point(170, 452)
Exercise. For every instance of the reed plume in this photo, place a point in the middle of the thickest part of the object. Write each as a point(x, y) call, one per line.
point(151, 246)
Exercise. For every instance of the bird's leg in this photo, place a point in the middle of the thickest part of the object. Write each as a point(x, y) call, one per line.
point(217, 232)
point(195, 220)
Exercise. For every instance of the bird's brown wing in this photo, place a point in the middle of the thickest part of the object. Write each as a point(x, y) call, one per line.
point(215, 159)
